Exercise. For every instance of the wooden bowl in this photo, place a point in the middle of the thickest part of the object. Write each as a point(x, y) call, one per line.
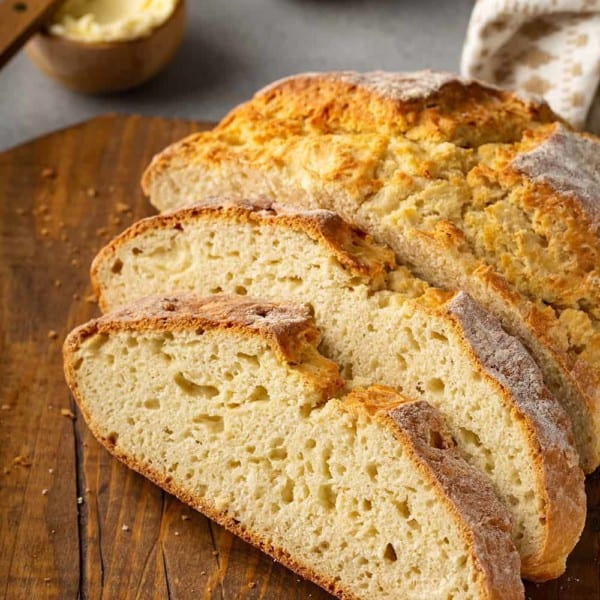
point(102, 67)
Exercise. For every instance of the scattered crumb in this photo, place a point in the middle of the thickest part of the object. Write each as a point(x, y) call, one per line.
point(185, 517)
point(65, 412)
point(76, 296)
point(45, 231)
point(52, 334)
point(5, 470)
point(252, 584)
point(61, 224)
point(101, 231)
point(177, 533)
point(48, 173)
point(64, 237)
point(111, 188)
point(57, 283)
point(202, 572)
point(79, 500)
point(20, 210)
point(87, 490)
point(5, 407)
point(90, 299)
point(50, 471)
point(115, 220)
point(47, 579)
point(44, 491)
point(125, 528)
point(75, 262)
point(50, 406)
point(122, 207)
point(53, 531)
point(42, 209)
point(92, 192)
point(215, 553)
point(21, 461)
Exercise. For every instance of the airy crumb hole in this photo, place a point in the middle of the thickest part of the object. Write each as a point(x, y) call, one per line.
point(389, 553)
point(117, 266)
point(193, 389)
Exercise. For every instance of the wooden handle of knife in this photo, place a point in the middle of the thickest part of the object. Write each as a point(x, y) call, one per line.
point(19, 20)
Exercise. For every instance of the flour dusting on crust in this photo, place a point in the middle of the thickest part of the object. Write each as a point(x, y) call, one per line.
point(569, 163)
point(507, 360)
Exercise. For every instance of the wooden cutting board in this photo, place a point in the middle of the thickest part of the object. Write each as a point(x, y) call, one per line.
point(73, 521)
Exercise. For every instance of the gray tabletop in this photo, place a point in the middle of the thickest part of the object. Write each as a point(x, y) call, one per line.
point(233, 47)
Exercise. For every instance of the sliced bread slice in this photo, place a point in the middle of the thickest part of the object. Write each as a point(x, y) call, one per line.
point(226, 403)
point(473, 187)
point(382, 325)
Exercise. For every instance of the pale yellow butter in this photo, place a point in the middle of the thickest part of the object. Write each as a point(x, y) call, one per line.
point(110, 20)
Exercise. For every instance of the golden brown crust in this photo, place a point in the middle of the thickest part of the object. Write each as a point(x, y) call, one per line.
point(416, 104)
point(410, 103)
point(288, 329)
point(355, 250)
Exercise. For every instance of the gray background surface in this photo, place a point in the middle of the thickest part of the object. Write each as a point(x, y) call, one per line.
point(233, 47)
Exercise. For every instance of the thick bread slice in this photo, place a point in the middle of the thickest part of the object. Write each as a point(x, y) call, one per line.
point(472, 187)
point(227, 404)
point(382, 325)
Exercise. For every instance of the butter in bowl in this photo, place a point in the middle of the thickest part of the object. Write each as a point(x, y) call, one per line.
point(102, 46)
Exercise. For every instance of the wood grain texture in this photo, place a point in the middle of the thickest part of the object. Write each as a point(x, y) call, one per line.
point(61, 198)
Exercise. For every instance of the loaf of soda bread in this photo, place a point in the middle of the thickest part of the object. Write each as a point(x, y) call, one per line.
point(382, 325)
point(226, 403)
point(471, 186)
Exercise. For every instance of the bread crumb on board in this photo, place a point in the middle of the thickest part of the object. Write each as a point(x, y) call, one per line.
point(122, 208)
point(92, 192)
point(44, 491)
point(5, 407)
point(65, 412)
point(22, 461)
point(125, 527)
point(252, 584)
point(90, 298)
point(52, 334)
point(48, 173)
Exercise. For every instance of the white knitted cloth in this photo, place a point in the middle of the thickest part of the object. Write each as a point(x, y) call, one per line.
point(548, 48)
